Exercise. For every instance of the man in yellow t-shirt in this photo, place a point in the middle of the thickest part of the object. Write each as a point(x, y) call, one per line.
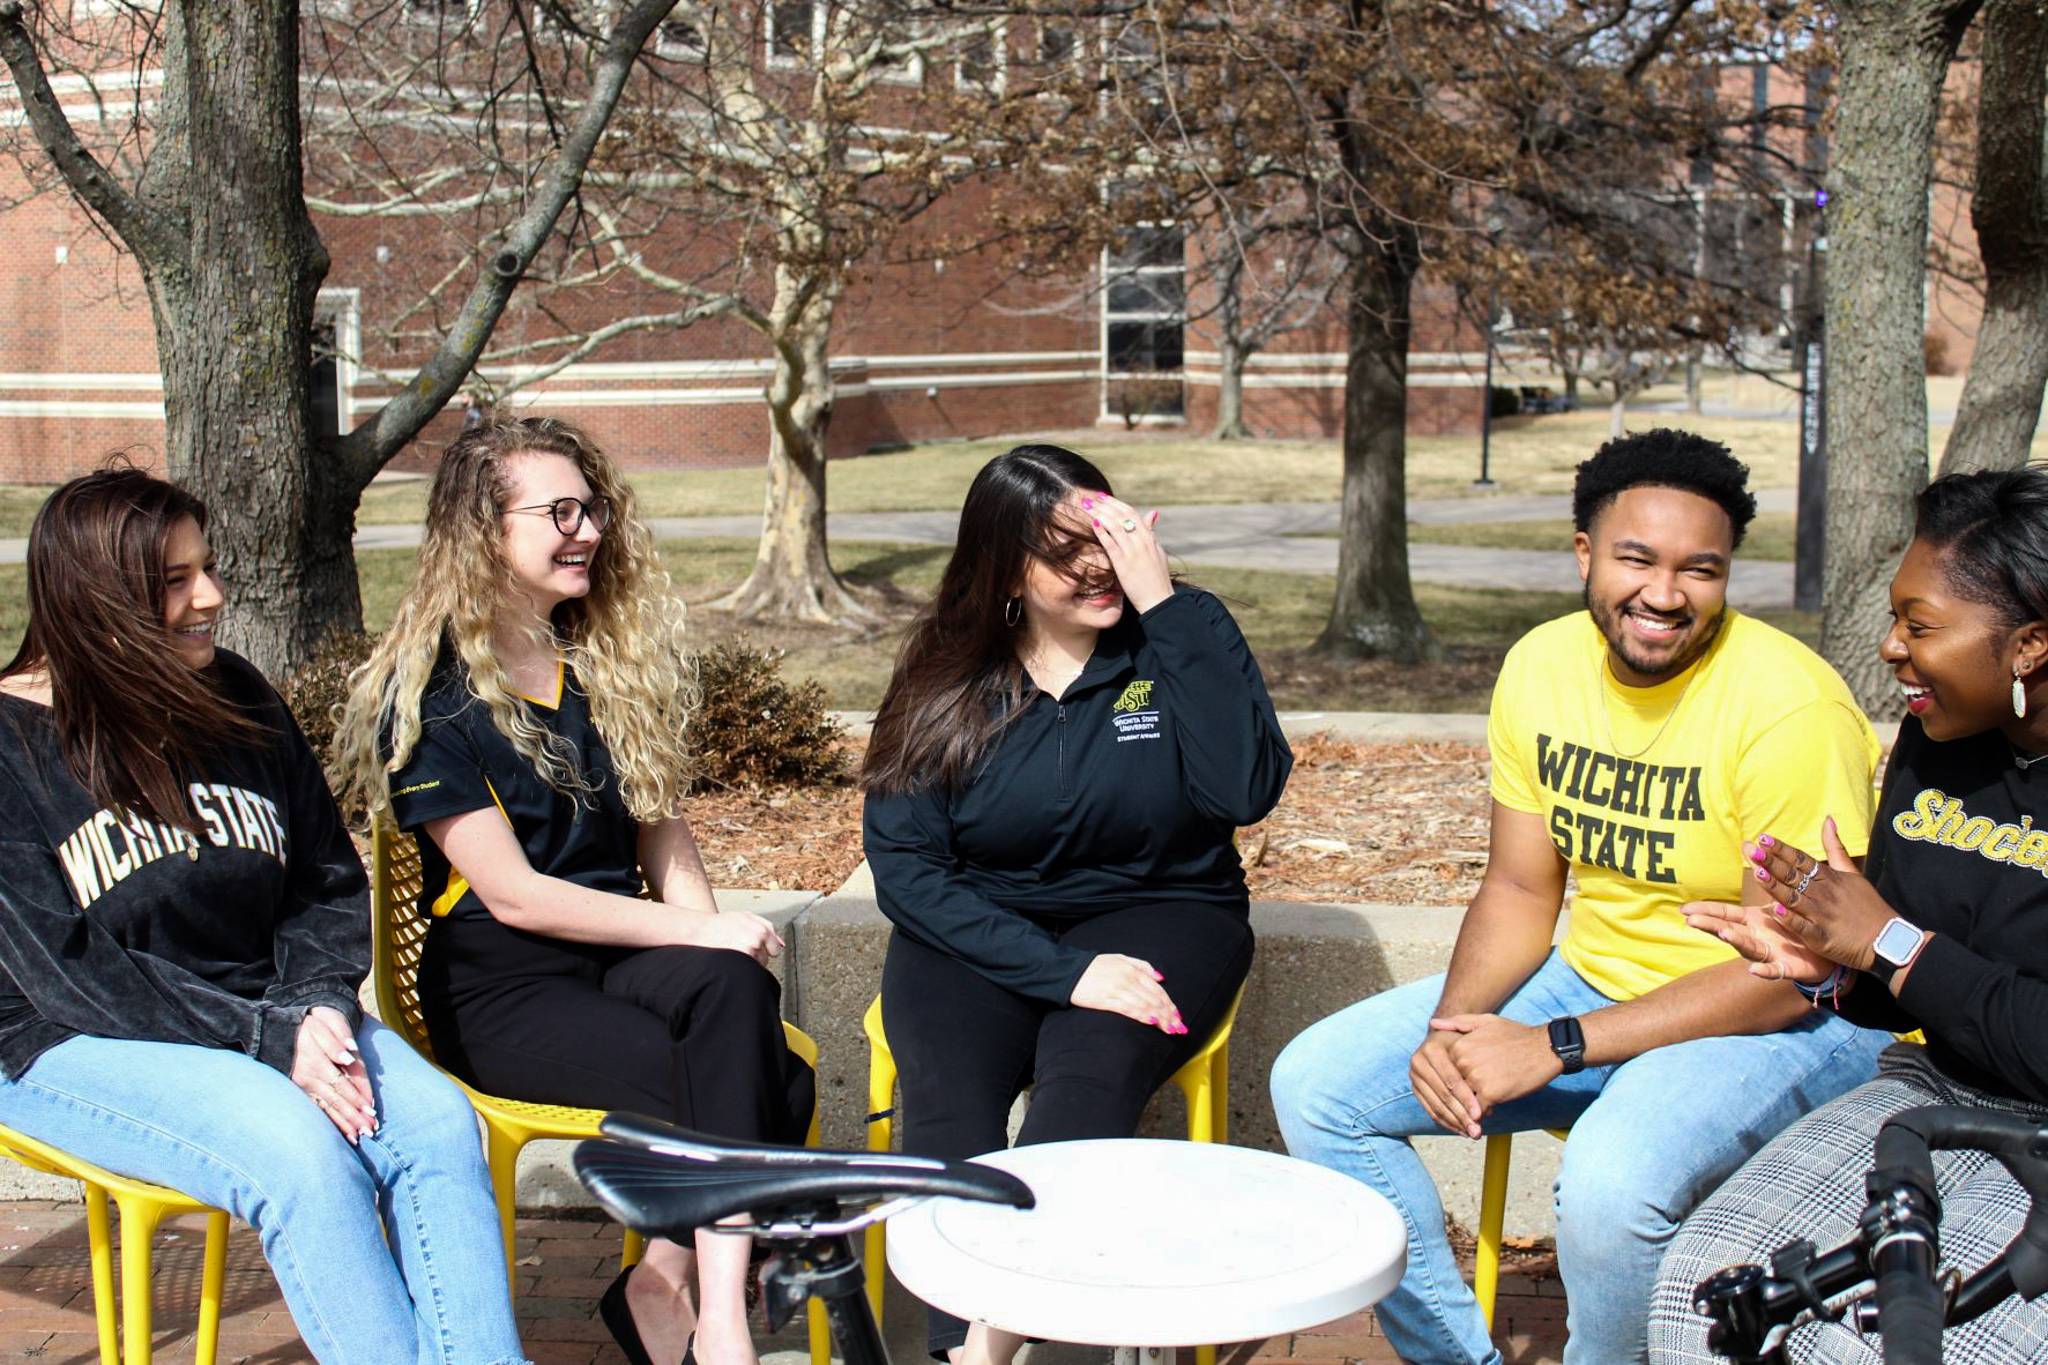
point(1635, 746)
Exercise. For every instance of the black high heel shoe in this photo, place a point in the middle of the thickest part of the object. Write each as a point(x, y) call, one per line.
point(618, 1320)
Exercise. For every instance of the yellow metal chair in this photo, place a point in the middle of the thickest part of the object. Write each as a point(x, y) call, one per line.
point(1493, 1208)
point(398, 937)
point(143, 1206)
point(1204, 1079)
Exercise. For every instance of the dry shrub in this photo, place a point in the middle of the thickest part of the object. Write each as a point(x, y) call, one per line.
point(756, 729)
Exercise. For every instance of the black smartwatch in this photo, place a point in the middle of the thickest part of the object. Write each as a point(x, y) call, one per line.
point(1568, 1041)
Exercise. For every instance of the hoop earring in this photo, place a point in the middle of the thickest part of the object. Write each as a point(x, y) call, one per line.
point(2019, 693)
point(1013, 612)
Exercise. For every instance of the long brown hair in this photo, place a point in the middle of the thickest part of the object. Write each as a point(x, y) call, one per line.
point(133, 718)
point(958, 680)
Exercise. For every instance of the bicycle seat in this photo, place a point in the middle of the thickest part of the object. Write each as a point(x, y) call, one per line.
point(668, 1182)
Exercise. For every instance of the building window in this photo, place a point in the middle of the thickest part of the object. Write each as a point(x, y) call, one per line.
point(793, 31)
point(678, 38)
point(984, 61)
point(1144, 316)
point(443, 13)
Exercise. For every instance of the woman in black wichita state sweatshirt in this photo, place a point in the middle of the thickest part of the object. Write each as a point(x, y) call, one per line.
point(183, 928)
point(1056, 772)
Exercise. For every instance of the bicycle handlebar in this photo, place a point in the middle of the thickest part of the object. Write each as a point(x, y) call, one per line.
point(1896, 1248)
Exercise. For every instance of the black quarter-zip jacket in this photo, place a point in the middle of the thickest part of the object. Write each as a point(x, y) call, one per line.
point(1125, 790)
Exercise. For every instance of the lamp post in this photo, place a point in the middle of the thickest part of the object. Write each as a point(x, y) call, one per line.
point(1485, 479)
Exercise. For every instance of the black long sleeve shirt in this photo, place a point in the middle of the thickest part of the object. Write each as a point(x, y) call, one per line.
point(1956, 851)
point(121, 927)
point(1126, 790)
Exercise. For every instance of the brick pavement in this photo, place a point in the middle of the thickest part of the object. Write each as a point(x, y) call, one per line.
point(46, 1312)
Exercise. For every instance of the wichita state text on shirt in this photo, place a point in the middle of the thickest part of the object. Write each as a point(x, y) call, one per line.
point(113, 845)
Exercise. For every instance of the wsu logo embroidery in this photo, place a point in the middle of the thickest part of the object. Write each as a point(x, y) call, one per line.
point(1136, 697)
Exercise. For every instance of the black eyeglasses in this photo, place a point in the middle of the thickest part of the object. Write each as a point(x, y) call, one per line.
point(569, 513)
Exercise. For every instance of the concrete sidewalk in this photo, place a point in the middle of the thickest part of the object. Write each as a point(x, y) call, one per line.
point(46, 1309)
point(1295, 537)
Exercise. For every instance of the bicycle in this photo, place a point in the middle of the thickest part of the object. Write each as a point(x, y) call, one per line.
point(1887, 1274)
point(665, 1181)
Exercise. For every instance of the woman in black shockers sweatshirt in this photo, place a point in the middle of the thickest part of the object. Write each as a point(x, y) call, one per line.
point(183, 928)
point(1944, 929)
point(1068, 744)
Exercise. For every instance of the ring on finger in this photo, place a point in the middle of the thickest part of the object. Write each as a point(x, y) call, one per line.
point(1805, 880)
point(1128, 524)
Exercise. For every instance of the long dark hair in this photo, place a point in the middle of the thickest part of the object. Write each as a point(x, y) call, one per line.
point(132, 717)
point(1991, 527)
point(958, 681)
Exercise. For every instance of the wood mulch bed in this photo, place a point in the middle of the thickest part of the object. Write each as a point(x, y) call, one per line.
point(1401, 822)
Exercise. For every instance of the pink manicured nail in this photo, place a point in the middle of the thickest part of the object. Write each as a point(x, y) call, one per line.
point(1757, 857)
point(1779, 910)
point(1094, 522)
point(1763, 876)
point(1765, 840)
point(1087, 502)
point(1151, 1018)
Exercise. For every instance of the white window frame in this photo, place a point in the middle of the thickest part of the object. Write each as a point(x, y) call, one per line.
point(999, 59)
point(1111, 273)
point(434, 13)
point(777, 60)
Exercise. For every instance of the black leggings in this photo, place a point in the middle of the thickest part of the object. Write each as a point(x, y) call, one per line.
point(691, 1035)
point(965, 1047)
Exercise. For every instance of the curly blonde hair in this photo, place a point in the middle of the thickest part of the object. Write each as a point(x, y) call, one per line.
point(625, 639)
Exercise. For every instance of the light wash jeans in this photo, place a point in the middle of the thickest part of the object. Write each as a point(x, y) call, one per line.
point(1650, 1138)
point(237, 1134)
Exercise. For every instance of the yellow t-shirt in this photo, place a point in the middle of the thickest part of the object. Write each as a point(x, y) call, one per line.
point(1648, 792)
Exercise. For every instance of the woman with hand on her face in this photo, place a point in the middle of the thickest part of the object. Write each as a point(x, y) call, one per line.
point(1944, 928)
point(526, 717)
point(1062, 757)
point(183, 929)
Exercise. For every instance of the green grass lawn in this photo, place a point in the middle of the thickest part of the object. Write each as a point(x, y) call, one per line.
point(1770, 535)
point(1281, 614)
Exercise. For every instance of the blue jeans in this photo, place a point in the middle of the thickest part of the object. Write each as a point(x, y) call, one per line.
point(1650, 1138)
point(230, 1131)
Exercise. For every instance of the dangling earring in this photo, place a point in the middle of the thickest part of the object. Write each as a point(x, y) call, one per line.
point(2019, 693)
point(1013, 615)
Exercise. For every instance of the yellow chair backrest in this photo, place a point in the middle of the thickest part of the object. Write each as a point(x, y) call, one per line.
point(398, 935)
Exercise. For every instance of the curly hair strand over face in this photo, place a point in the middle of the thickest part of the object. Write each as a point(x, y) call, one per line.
point(1664, 457)
point(625, 639)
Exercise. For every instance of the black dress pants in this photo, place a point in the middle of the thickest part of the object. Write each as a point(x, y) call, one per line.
point(966, 1047)
point(690, 1035)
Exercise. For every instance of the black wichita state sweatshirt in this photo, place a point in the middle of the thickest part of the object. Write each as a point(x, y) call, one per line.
point(118, 926)
point(1124, 791)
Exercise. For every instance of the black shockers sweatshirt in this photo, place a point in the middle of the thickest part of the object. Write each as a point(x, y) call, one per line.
point(121, 927)
point(1125, 791)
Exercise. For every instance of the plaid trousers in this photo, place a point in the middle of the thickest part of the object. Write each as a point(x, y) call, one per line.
point(1808, 1182)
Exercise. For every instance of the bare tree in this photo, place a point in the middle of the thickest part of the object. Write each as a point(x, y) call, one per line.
point(770, 152)
point(1893, 56)
point(2001, 403)
point(203, 186)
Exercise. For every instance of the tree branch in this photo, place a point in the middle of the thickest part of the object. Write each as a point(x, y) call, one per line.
point(145, 234)
point(366, 449)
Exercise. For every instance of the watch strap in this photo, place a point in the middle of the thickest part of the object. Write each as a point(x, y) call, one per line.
point(1568, 1041)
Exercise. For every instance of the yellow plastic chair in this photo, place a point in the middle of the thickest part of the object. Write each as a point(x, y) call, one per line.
point(1493, 1209)
point(1204, 1079)
point(398, 937)
point(143, 1206)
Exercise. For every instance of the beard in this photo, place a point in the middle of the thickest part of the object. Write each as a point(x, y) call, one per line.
point(1691, 640)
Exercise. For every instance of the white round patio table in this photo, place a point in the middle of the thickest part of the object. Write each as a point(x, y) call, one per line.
point(1152, 1244)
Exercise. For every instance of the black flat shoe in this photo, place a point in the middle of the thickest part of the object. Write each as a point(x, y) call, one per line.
point(618, 1320)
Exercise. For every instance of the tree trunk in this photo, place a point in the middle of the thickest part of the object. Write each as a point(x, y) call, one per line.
point(1894, 57)
point(792, 577)
point(1374, 615)
point(2001, 402)
point(1617, 411)
point(1230, 392)
point(1231, 352)
point(234, 316)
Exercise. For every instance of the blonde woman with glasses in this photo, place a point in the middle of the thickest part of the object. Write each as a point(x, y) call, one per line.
point(526, 718)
